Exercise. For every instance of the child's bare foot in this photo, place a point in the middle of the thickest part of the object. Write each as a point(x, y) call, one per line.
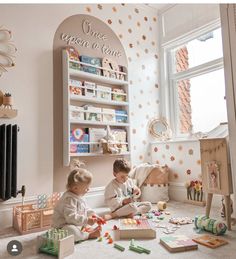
point(94, 234)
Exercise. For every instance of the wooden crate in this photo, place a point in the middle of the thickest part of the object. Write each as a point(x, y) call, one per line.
point(28, 219)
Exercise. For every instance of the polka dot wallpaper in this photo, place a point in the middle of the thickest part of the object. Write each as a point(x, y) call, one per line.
point(137, 28)
point(183, 159)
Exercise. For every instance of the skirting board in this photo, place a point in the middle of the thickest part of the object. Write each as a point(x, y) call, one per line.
point(94, 198)
point(197, 203)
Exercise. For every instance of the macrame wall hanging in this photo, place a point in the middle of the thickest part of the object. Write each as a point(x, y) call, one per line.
point(7, 50)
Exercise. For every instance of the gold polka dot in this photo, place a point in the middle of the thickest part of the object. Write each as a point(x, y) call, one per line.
point(156, 56)
point(130, 17)
point(138, 42)
point(123, 4)
point(144, 37)
point(167, 147)
point(140, 106)
point(138, 24)
point(143, 67)
point(176, 176)
point(156, 85)
point(172, 158)
point(155, 149)
point(146, 51)
point(120, 22)
point(164, 156)
point(134, 131)
point(181, 162)
point(180, 148)
point(136, 10)
point(99, 6)
point(154, 19)
point(198, 162)
point(114, 9)
point(120, 36)
point(145, 19)
point(149, 154)
point(130, 59)
point(88, 9)
point(153, 43)
point(150, 28)
point(188, 172)
point(140, 157)
point(137, 54)
point(131, 45)
point(109, 21)
point(129, 30)
point(190, 152)
point(144, 142)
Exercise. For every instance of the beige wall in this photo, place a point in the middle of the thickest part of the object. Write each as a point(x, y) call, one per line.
point(31, 83)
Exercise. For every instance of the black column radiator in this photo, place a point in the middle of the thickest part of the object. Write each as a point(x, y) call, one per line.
point(8, 161)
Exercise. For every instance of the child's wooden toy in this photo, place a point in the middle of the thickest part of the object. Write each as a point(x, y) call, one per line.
point(35, 217)
point(56, 242)
point(119, 247)
point(129, 228)
point(28, 218)
point(210, 225)
point(178, 243)
point(99, 239)
point(161, 205)
point(99, 221)
point(138, 249)
point(210, 241)
point(181, 220)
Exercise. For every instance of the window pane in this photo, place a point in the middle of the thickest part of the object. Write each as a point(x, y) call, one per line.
point(201, 102)
point(199, 51)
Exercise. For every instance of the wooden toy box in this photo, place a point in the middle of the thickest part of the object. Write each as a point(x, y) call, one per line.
point(28, 219)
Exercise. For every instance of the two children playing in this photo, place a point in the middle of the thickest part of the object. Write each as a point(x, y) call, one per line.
point(72, 213)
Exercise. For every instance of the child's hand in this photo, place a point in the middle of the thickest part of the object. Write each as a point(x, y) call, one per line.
point(126, 201)
point(136, 191)
point(91, 221)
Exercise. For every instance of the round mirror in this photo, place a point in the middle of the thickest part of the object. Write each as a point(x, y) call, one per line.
point(159, 129)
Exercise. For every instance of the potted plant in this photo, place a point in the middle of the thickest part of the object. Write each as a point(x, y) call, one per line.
point(7, 100)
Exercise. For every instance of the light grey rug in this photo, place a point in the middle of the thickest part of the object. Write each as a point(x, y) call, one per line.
point(92, 249)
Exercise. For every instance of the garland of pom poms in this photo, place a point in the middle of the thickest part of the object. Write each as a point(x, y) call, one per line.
point(211, 225)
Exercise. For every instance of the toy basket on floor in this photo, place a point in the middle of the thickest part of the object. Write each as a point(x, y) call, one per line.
point(28, 219)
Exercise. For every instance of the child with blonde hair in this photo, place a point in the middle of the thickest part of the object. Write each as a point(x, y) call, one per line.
point(120, 193)
point(71, 212)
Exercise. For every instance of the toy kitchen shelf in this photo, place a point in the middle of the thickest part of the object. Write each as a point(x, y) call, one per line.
point(69, 99)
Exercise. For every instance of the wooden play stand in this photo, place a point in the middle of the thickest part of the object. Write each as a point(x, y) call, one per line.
point(216, 172)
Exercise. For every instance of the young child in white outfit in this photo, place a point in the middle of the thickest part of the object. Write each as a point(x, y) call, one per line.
point(120, 193)
point(71, 212)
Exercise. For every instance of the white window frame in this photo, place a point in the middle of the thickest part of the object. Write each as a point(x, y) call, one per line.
point(169, 94)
